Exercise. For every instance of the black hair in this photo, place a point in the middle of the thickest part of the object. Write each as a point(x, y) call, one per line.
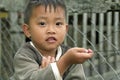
point(34, 3)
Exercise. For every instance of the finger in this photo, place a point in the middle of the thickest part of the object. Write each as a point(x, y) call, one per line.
point(85, 50)
point(44, 60)
point(52, 59)
point(48, 59)
point(82, 50)
point(86, 55)
point(90, 51)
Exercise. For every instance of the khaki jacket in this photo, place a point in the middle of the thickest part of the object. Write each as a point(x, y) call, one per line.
point(27, 63)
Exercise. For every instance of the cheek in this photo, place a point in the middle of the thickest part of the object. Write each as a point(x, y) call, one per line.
point(62, 34)
point(37, 34)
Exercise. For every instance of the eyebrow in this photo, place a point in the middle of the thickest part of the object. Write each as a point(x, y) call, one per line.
point(44, 17)
point(41, 17)
point(59, 18)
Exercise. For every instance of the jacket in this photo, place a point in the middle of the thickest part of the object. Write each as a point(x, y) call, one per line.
point(27, 63)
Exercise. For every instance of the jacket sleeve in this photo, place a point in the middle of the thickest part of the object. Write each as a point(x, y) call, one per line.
point(26, 68)
point(75, 72)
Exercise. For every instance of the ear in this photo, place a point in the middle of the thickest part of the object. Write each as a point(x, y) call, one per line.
point(67, 28)
point(26, 30)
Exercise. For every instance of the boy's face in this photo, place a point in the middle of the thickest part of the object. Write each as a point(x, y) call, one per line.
point(47, 28)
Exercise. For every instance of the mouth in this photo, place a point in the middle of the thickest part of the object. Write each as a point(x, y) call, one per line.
point(51, 39)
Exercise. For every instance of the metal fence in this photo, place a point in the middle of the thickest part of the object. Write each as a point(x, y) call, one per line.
point(101, 32)
point(98, 31)
point(11, 38)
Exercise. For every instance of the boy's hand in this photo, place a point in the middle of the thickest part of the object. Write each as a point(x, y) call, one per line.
point(73, 56)
point(78, 55)
point(47, 61)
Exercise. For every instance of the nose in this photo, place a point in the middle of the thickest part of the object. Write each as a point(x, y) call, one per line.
point(51, 30)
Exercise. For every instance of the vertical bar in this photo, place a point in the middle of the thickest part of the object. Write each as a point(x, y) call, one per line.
point(14, 21)
point(85, 16)
point(75, 25)
point(102, 67)
point(116, 39)
point(67, 21)
point(0, 46)
point(116, 35)
point(101, 21)
point(116, 28)
point(93, 28)
point(109, 36)
point(84, 41)
point(109, 30)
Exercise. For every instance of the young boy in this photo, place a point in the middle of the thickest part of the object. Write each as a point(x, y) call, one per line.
point(44, 57)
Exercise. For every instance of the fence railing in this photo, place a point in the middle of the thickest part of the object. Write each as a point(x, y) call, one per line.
point(101, 32)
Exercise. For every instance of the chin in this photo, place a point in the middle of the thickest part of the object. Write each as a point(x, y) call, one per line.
point(51, 47)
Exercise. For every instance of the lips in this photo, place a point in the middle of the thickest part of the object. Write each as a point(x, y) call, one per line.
point(51, 39)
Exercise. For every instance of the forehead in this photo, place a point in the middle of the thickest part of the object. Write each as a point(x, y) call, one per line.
point(49, 10)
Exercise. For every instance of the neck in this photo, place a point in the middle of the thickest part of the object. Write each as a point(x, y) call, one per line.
point(45, 53)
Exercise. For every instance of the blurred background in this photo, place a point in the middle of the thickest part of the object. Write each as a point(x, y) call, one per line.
point(93, 24)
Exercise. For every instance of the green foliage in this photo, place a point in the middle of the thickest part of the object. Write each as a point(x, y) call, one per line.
point(96, 6)
point(72, 5)
point(13, 5)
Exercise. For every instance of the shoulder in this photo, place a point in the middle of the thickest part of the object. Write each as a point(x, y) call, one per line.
point(23, 52)
point(27, 51)
point(25, 48)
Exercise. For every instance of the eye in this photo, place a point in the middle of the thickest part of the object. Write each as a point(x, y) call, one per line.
point(42, 23)
point(59, 23)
